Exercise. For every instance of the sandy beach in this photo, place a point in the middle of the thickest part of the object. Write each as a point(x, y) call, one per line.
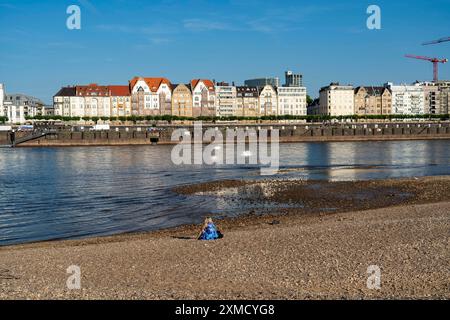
point(319, 250)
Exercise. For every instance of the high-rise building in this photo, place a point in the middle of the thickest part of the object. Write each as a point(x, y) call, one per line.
point(262, 82)
point(293, 79)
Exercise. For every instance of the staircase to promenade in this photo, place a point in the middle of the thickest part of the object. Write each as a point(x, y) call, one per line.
point(33, 136)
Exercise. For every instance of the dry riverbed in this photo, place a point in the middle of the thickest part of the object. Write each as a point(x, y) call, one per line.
point(318, 246)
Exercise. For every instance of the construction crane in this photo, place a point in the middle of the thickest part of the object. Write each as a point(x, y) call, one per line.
point(436, 41)
point(435, 62)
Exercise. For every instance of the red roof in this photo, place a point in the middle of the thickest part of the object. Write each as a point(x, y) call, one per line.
point(208, 83)
point(119, 90)
point(92, 90)
point(103, 91)
point(153, 83)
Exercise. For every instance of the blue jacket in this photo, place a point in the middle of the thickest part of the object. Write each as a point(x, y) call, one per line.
point(210, 233)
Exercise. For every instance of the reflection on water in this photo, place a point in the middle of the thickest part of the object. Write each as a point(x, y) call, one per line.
point(52, 193)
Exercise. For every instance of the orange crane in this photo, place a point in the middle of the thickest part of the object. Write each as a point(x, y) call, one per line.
point(435, 62)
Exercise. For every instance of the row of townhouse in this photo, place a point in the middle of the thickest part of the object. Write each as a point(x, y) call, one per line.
point(92, 101)
point(158, 96)
point(418, 98)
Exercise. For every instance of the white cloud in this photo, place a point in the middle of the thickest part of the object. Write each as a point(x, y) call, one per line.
point(154, 29)
point(66, 45)
point(206, 25)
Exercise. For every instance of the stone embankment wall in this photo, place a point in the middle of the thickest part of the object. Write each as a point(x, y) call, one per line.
point(144, 135)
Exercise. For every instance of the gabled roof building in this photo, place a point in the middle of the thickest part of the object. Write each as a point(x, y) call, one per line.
point(204, 97)
point(373, 100)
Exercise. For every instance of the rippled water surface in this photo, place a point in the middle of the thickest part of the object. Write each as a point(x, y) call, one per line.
point(56, 193)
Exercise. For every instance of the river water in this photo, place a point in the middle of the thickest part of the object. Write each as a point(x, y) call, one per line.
point(64, 193)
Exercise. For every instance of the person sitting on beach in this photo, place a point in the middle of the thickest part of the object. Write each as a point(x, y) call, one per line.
point(210, 231)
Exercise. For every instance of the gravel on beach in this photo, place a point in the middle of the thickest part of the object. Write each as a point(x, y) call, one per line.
point(317, 255)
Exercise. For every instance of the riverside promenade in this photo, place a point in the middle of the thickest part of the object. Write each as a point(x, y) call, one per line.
point(300, 132)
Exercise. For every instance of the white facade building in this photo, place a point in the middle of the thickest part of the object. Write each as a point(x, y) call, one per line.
point(225, 100)
point(337, 100)
point(93, 101)
point(97, 106)
point(141, 87)
point(63, 105)
point(15, 114)
point(292, 101)
point(2, 99)
point(76, 107)
point(203, 97)
point(407, 99)
point(268, 101)
point(120, 101)
point(17, 107)
point(120, 106)
point(151, 96)
point(432, 97)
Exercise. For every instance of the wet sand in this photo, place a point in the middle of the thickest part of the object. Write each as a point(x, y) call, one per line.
point(303, 251)
point(303, 197)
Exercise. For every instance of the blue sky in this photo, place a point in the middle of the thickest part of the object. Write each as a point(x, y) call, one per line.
point(229, 40)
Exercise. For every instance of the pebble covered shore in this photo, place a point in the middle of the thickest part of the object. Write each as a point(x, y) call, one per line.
point(309, 254)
